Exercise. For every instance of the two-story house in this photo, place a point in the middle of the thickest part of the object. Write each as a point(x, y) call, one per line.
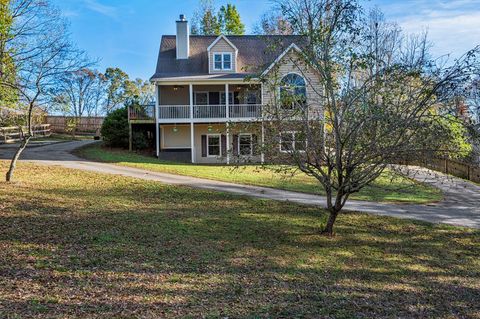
point(207, 85)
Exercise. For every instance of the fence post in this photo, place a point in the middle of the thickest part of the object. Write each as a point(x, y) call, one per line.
point(446, 166)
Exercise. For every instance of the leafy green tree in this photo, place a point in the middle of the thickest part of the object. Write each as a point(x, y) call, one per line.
point(8, 94)
point(116, 85)
point(229, 21)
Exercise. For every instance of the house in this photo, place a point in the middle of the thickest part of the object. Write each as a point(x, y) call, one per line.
point(210, 100)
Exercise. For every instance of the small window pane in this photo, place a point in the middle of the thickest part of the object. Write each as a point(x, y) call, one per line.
point(300, 142)
point(214, 146)
point(218, 61)
point(230, 98)
point(227, 61)
point(286, 142)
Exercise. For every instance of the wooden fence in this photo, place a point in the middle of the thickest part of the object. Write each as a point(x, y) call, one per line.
point(15, 133)
point(455, 168)
point(83, 125)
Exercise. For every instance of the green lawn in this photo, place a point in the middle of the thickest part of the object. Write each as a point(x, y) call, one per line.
point(383, 189)
point(76, 244)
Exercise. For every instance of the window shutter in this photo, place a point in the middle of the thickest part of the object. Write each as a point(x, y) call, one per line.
point(204, 146)
point(224, 145)
point(235, 145)
point(255, 144)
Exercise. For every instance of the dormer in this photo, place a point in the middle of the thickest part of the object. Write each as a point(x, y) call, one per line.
point(222, 56)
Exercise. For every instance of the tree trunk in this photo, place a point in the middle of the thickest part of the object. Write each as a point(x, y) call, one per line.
point(328, 230)
point(15, 158)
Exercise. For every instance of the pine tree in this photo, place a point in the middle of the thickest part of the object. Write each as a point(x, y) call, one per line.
point(229, 21)
point(204, 20)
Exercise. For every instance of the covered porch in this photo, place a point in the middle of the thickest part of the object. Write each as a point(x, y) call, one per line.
point(215, 143)
point(184, 103)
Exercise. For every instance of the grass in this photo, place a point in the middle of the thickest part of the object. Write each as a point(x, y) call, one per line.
point(386, 188)
point(76, 244)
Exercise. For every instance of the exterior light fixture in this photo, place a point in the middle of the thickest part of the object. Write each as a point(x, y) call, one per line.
point(210, 128)
point(175, 129)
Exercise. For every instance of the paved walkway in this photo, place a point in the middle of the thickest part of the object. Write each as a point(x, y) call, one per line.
point(460, 207)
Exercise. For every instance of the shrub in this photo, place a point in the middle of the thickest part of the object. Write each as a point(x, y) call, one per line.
point(115, 128)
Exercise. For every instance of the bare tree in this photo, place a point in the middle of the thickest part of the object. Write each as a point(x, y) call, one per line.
point(42, 54)
point(367, 97)
point(273, 23)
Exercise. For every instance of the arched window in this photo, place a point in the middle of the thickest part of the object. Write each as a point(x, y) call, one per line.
point(293, 92)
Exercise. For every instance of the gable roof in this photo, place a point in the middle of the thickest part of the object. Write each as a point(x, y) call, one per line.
point(220, 37)
point(255, 54)
point(292, 46)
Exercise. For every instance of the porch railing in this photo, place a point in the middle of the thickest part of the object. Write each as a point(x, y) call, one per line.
point(245, 110)
point(210, 111)
point(144, 112)
point(174, 112)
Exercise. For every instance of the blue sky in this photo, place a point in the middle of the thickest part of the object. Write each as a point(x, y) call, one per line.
point(126, 33)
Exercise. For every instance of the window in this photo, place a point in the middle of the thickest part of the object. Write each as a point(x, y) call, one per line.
point(293, 91)
point(201, 98)
point(213, 145)
point(287, 141)
point(227, 61)
point(245, 144)
point(222, 98)
point(292, 141)
point(222, 61)
point(251, 97)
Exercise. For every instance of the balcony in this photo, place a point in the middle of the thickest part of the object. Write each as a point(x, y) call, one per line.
point(141, 113)
point(206, 113)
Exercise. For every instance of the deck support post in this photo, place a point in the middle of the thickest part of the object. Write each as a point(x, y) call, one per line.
point(227, 115)
point(192, 128)
point(157, 120)
point(130, 137)
point(262, 154)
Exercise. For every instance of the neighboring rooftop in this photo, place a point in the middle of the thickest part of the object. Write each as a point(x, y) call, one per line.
point(255, 53)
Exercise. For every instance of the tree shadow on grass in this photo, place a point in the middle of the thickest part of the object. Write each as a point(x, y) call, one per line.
point(129, 248)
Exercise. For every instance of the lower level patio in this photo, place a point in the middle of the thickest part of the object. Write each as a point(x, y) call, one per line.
point(216, 143)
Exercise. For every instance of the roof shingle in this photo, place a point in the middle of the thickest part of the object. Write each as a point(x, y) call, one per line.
point(255, 53)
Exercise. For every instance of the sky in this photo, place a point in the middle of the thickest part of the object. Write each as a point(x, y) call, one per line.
point(126, 33)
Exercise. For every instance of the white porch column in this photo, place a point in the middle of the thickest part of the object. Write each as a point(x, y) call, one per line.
point(157, 120)
point(262, 154)
point(227, 114)
point(192, 129)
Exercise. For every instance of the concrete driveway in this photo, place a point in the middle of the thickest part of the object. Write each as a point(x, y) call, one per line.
point(461, 205)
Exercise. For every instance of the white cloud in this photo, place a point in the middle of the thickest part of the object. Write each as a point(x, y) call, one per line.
point(454, 34)
point(453, 25)
point(108, 11)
